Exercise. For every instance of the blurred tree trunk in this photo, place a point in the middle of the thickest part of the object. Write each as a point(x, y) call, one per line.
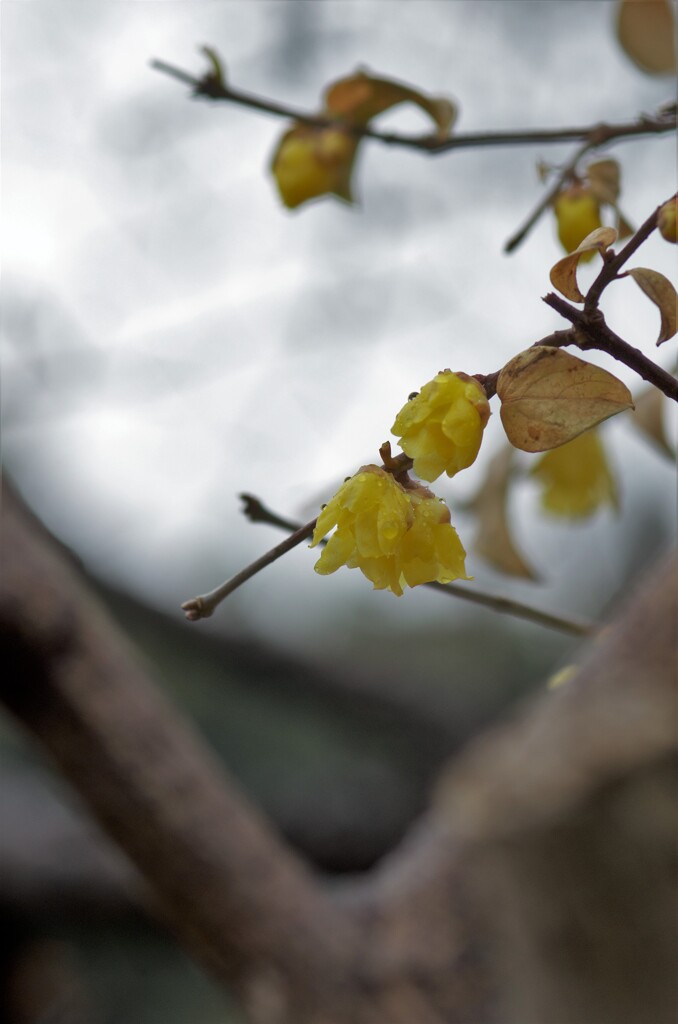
point(540, 887)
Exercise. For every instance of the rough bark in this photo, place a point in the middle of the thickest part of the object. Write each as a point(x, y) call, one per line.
point(569, 823)
point(537, 889)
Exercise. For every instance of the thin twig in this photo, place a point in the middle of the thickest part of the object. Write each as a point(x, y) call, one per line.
point(257, 512)
point(593, 332)
point(544, 203)
point(210, 88)
point(611, 267)
point(575, 627)
point(557, 339)
point(591, 137)
point(203, 606)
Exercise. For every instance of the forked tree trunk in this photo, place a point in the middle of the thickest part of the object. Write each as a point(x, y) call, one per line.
point(540, 887)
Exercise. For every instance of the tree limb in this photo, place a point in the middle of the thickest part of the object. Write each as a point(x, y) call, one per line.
point(231, 890)
point(570, 798)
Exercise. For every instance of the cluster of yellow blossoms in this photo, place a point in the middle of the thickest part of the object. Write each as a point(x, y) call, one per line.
point(397, 532)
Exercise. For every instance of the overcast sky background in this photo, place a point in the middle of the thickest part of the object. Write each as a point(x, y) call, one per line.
point(172, 336)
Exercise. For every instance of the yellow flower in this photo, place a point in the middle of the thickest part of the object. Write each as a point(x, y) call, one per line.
point(576, 477)
point(396, 536)
point(311, 162)
point(442, 427)
point(666, 220)
point(578, 214)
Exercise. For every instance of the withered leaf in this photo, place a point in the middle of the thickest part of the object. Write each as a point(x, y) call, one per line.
point(550, 397)
point(648, 417)
point(603, 179)
point(660, 290)
point(360, 97)
point(563, 274)
point(624, 229)
point(494, 541)
point(646, 31)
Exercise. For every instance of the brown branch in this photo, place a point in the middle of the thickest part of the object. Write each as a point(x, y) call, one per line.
point(553, 833)
point(210, 87)
point(202, 607)
point(560, 830)
point(612, 266)
point(231, 890)
point(548, 197)
point(557, 339)
point(593, 332)
point(257, 512)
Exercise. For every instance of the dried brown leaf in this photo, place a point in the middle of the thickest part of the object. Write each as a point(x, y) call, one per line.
point(648, 418)
point(360, 97)
point(603, 179)
point(550, 397)
point(624, 229)
point(494, 541)
point(564, 273)
point(646, 31)
point(660, 290)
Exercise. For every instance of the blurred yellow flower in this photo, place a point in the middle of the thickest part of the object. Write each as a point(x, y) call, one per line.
point(396, 536)
point(576, 477)
point(577, 215)
point(441, 428)
point(311, 162)
point(666, 220)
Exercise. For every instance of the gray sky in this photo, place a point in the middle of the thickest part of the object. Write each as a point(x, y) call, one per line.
point(172, 336)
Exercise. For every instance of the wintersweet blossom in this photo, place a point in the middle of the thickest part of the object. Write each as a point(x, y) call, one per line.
point(576, 477)
point(441, 428)
point(397, 536)
point(577, 215)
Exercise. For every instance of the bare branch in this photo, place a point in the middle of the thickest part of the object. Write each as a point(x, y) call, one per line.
point(593, 332)
point(209, 87)
point(202, 607)
point(547, 199)
point(573, 796)
point(591, 137)
point(230, 888)
point(612, 266)
point(259, 513)
point(560, 835)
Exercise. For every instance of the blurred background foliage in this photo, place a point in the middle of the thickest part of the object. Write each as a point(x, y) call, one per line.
point(171, 337)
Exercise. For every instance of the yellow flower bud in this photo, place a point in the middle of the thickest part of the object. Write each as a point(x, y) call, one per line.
point(396, 536)
point(666, 220)
point(442, 427)
point(578, 214)
point(576, 477)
